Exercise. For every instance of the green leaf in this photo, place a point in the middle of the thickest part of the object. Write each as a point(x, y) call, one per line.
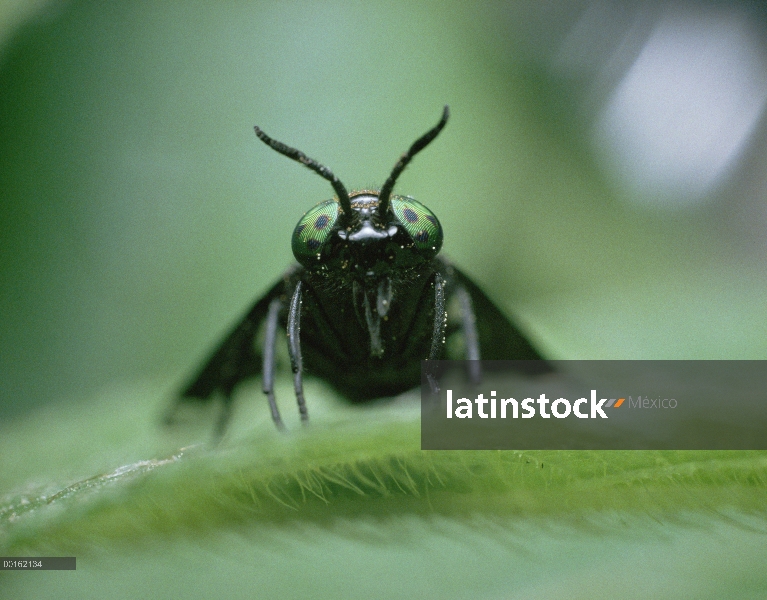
point(356, 484)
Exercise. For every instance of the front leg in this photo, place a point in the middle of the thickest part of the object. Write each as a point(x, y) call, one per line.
point(294, 349)
point(270, 342)
point(438, 329)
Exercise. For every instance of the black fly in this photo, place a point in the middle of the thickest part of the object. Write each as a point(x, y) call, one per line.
point(365, 304)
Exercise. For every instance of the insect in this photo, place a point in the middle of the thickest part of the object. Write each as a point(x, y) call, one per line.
point(365, 303)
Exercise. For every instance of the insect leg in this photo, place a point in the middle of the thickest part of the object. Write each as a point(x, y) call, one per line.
point(438, 333)
point(294, 349)
point(270, 339)
point(471, 338)
point(223, 419)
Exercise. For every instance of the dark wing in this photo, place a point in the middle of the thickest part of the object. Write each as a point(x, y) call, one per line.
point(236, 358)
point(499, 338)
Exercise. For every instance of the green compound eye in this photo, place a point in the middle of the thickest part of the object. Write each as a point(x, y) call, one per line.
point(419, 222)
point(313, 230)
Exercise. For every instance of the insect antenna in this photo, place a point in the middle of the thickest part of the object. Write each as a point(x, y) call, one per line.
point(418, 145)
point(321, 170)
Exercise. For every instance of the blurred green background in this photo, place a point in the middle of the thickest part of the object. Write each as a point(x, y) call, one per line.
point(140, 216)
